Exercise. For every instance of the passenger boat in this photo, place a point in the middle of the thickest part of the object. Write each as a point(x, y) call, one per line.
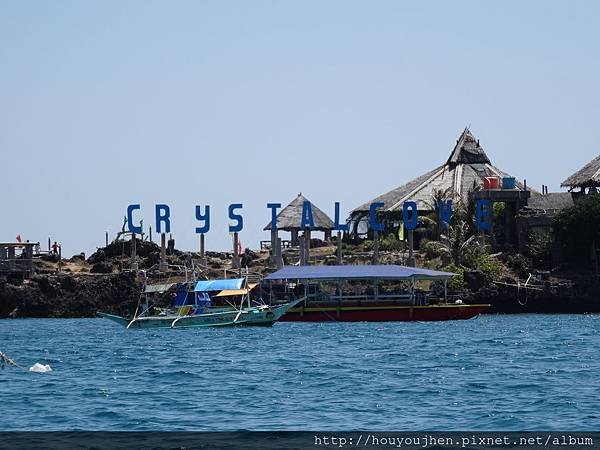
point(369, 293)
point(195, 309)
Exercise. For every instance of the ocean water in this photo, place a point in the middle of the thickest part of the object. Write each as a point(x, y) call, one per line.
point(513, 372)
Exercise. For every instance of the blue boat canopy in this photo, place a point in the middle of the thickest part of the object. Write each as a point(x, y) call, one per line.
point(218, 285)
point(360, 272)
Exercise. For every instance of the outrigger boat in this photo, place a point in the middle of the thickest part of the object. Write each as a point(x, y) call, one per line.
point(355, 293)
point(192, 307)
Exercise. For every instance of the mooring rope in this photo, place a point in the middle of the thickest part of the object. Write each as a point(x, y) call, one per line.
point(6, 361)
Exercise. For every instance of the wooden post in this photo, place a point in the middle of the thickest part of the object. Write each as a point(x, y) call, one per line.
point(202, 251)
point(235, 262)
point(307, 246)
point(375, 247)
point(279, 261)
point(411, 248)
point(162, 266)
point(294, 238)
point(106, 236)
point(134, 264)
point(60, 257)
point(339, 248)
point(150, 232)
point(49, 246)
point(302, 250)
point(274, 247)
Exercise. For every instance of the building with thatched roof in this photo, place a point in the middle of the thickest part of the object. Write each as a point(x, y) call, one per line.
point(586, 178)
point(464, 170)
point(290, 219)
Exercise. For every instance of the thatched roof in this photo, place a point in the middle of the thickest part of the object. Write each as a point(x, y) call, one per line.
point(467, 165)
point(552, 202)
point(290, 217)
point(588, 176)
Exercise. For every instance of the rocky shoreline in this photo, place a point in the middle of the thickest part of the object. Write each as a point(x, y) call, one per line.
point(103, 282)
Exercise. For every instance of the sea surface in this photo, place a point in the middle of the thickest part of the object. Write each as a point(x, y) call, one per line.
point(510, 372)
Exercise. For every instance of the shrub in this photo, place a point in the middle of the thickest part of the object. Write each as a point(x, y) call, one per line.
point(457, 282)
point(576, 229)
point(491, 268)
point(540, 247)
point(519, 263)
point(391, 243)
point(434, 249)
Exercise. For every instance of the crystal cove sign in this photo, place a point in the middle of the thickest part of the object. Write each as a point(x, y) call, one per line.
point(410, 217)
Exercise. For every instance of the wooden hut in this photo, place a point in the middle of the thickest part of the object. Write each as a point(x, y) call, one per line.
point(466, 167)
point(16, 258)
point(586, 178)
point(290, 219)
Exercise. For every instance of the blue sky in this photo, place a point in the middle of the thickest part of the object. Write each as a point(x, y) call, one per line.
point(109, 103)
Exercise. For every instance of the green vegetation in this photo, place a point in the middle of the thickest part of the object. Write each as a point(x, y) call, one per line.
point(577, 231)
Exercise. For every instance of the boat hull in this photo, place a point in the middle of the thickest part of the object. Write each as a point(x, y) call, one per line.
point(391, 313)
point(258, 316)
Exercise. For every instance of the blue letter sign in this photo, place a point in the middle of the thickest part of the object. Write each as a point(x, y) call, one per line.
point(307, 217)
point(273, 207)
point(445, 212)
point(133, 228)
point(163, 214)
point(238, 218)
point(410, 222)
point(483, 214)
point(376, 226)
point(339, 226)
point(203, 218)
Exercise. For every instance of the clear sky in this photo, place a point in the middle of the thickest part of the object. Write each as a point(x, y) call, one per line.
point(108, 103)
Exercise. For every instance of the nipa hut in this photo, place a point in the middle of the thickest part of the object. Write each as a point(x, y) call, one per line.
point(290, 219)
point(465, 168)
point(586, 178)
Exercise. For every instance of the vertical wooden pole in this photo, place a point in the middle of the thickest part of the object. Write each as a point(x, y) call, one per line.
point(235, 262)
point(202, 250)
point(302, 250)
point(279, 261)
point(134, 264)
point(411, 248)
point(339, 248)
point(375, 247)
point(60, 257)
point(274, 247)
point(150, 232)
point(307, 245)
point(49, 246)
point(106, 239)
point(162, 266)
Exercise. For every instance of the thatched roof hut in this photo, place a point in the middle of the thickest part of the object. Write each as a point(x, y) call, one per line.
point(290, 217)
point(587, 177)
point(466, 166)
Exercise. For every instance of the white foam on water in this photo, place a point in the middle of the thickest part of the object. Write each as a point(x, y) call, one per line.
point(37, 367)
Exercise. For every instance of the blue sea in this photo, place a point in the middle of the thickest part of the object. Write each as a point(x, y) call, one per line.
point(510, 372)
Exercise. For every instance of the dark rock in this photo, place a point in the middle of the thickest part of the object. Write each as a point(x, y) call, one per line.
point(78, 257)
point(475, 279)
point(102, 267)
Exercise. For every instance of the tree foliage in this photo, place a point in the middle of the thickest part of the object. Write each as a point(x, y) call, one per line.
point(577, 230)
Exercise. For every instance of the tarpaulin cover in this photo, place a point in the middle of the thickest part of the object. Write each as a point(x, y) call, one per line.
point(382, 272)
point(218, 285)
point(158, 287)
point(181, 297)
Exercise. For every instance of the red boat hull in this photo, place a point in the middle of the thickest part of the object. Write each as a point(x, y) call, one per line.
point(316, 313)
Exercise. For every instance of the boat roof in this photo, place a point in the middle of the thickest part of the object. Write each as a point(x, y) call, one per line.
point(362, 272)
point(219, 285)
point(232, 292)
